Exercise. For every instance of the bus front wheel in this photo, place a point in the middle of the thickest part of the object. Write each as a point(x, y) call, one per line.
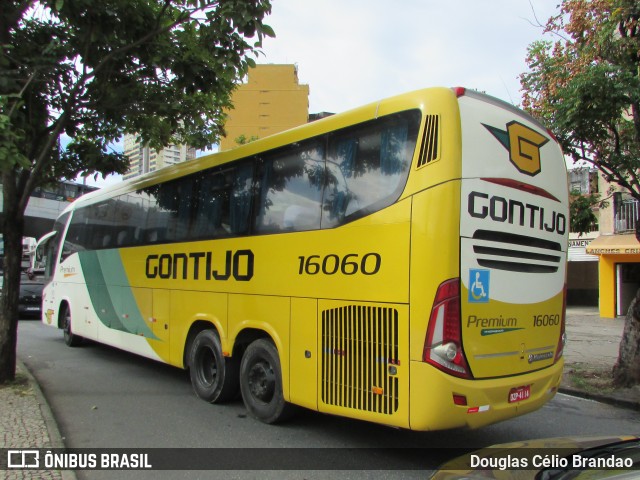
point(71, 339)
point(214, 377)
point(261, 382)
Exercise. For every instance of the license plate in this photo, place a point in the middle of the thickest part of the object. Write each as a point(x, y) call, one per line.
point(520, 393)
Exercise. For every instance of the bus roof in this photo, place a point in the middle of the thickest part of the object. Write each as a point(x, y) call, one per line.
point(415, 99)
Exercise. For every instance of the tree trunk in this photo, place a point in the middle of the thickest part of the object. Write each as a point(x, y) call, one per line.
point(626, 372)
point(12, 230)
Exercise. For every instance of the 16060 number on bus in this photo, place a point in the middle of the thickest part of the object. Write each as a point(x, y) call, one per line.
point(332, 264)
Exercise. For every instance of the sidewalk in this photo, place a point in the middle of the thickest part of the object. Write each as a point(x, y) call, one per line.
point(26, 422)
point(592, 348)
point(592, 345)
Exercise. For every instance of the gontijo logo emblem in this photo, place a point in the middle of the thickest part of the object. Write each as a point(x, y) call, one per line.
point(523, 145)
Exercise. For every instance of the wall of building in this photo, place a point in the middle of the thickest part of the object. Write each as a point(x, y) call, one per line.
point(271, 101)
point(612, 301)
point(616, 247)
point(582, 269)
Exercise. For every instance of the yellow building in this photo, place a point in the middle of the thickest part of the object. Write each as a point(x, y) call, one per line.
point(271, 101)
point(618, 251)
point(619, 272)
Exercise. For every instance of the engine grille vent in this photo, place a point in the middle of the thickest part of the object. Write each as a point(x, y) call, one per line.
point(516, 253)
point(429, 151)
point(359, 344)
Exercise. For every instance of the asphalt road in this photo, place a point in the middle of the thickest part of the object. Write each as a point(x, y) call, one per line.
point(106, 398)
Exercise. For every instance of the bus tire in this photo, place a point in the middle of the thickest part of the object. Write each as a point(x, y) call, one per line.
point(261, 383)
point(214, 377)
point(70, 339)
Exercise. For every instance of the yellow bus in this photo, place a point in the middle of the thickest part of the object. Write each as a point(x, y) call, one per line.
point(402, 263)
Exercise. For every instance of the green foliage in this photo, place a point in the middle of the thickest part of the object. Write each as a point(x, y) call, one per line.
point(97, 70)
point(583, 219)
point(10, 138)
point(586, 86)
point(243, 139)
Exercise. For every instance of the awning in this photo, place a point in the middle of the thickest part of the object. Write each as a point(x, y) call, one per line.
point(625, 244)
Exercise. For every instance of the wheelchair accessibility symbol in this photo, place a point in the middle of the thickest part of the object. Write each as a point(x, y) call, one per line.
point(478, 286)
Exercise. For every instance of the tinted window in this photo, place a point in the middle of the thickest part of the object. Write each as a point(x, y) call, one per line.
point(130, 215)
point(52, 245)
point(101, 223)
point(367, 166)
point(242, 193)
point(77, 233)
point(291, 193)
point(171, 210)
point(318, 183)
point(212, 205)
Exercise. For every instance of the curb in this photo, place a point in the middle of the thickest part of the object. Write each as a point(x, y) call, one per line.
point(47, 415)
point(612, 399)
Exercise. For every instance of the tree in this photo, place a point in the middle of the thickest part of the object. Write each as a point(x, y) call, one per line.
point(581, 213)
point(162, 69)
point(586, 87)
point(243, 139)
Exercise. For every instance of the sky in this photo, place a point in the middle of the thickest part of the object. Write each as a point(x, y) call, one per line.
point(352, 52)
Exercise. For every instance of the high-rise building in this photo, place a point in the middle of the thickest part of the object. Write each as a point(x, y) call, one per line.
point(271, 101)
point(143, 159)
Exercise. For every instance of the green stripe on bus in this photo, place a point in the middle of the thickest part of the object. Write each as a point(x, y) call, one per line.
point(110, 293)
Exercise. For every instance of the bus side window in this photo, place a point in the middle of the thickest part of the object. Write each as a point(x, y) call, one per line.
point(122, 238)
point(107, 241)
point(151, 236)
point(290, 198)
point(242, 194)
point(156, 216)
point(367, 166)
point(100, 223)
point(77, 234)
point(52, 245)
point(176, 200)
point(211, 215)
point(340, 166)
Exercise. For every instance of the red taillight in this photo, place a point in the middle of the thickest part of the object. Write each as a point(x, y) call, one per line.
point(563, 337)
point(443, 344)
point(459, 91)
point(459, 400)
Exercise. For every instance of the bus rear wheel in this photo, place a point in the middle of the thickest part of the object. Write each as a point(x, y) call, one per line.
point(261, 383)
point(71, 339)
point(214, 377)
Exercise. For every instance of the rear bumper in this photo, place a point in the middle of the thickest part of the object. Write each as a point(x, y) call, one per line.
point(432, 406)
point(28, 310)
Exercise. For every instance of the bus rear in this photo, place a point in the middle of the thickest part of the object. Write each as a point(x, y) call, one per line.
point(496, 332)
